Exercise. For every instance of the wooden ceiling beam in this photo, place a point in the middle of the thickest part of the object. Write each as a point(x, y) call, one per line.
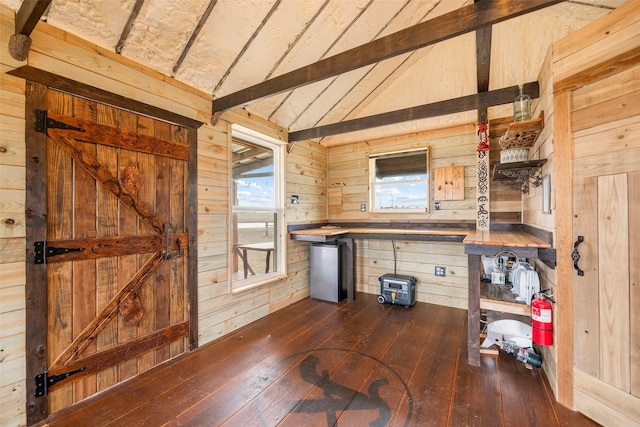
point(441, 108)
point(29, 14)
point(483, 65)
point(466, 19)
point(27, 18)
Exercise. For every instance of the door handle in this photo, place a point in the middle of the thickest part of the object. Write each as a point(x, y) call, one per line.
point(575, 255)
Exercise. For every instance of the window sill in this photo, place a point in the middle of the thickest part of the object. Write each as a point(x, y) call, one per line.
point(255, 282)
point(401, 211)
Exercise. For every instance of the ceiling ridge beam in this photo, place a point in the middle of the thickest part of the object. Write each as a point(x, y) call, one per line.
point(466, 19)
point(441, 108)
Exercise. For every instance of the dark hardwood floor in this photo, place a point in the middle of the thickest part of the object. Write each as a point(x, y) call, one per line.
point(316, 363)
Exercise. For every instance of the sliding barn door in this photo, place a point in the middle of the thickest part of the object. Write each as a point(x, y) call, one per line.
point(605, 125)
point(115, 247)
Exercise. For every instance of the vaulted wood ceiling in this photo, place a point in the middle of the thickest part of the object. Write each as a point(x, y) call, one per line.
point(337, 70)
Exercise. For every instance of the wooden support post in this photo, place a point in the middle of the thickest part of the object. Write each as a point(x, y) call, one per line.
point(473, 314)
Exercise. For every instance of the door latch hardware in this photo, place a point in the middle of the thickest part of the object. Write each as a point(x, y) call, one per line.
point(170, 233)
point(43, 122)
point(44, 381)
point(42, 252)
point(575, 255)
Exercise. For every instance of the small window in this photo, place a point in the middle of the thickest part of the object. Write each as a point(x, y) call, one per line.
point(257, 207)
point(400, 181)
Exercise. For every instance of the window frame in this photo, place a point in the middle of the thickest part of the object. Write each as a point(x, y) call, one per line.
point(279, 174)
point(373, 185)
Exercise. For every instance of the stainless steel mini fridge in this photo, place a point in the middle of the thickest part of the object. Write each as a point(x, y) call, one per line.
point(328, 271)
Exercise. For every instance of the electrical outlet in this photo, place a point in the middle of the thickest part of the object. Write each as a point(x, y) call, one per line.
point(294, 199)
point(363, 208)
point(441, 271)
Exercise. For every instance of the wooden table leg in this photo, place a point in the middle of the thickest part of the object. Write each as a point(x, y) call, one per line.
point(350, 269)
point(266, 270)
point(473, 312)
point(245, 263)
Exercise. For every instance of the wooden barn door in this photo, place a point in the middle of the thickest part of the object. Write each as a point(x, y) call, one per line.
point(605, 126)
point(116, 246)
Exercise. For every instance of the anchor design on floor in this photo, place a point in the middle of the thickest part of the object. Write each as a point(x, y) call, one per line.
point(338, 398)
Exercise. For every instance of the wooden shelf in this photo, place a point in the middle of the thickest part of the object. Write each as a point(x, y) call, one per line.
point(495, 298)
point(522, 134)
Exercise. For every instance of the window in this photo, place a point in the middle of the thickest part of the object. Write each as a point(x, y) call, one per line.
point(257, 209)
point(400, 181)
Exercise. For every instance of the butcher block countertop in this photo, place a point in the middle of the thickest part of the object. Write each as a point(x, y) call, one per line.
point(514, 238)
point(322, 231)
point(332, 233)
point(504, 238)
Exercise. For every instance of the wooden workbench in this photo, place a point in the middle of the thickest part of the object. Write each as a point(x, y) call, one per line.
point(348, 233)
point(489, 243)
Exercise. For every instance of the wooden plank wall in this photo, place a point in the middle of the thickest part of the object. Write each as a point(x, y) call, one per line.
point(12, 234)
point(219, 312)
point(348, 188)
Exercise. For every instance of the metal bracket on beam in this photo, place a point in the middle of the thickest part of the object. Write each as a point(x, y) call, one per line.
point(42, 252)
point(44, 381)
point(43, 123)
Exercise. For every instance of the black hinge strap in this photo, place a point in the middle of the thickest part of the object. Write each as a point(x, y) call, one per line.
point(43, 123)
point(44, 381)
point(42, 252)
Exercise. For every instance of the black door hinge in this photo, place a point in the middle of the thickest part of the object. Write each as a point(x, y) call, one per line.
point(42, 252)
point(43, 122)
point(44, 381)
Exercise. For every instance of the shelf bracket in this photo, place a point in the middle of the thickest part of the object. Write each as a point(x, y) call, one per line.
point(519, 175)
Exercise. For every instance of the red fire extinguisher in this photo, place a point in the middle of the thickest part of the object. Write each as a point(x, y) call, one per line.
point(542, 319)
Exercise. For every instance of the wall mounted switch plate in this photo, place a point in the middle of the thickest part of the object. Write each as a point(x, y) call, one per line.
point(441, 271)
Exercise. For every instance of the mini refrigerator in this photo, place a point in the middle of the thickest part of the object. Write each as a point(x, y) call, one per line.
point(328, 271)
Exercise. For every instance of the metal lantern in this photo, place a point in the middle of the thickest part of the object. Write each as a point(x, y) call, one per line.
point(483, 137)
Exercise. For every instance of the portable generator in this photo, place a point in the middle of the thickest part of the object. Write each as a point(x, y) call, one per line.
point(397, 289)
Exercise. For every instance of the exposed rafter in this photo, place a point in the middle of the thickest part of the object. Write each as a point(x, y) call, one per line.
point(255, 34)
point(344, 31)
point(194, 36)
point(469, 18)
point(127, 27)
point(331, 83)
point(441, 108)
